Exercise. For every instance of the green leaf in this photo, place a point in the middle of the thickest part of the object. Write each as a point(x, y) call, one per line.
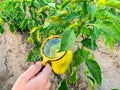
point(95, 70)
point(91, 83)
point(54, 49)
point(42, 2)
point(109, 40)
point(89, 44)
point(73, 76)
point(23, 24)
point(84, 9)
point(51, 5)
point(72, 15)
point(68, 40)
point(30, 40)
point(109, 29)
point(32, 13)
point(35, 4)
point(95, 34)
point(79, 56)
point(91, 56)
point(12, 28)
point(63, 85)
point(91, 11)
point(1, 29)
point(113, 3)
point(115, 89)
point(44, 8)
point(85, 31)
point(56, 20)
point(65, 3)
point(24, 6)
point(34, 55)
point(48, 1)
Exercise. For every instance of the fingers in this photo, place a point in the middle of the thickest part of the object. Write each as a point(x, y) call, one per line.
point(46, 72)
point(31, 71)
point(44, 75)
point(46, 86)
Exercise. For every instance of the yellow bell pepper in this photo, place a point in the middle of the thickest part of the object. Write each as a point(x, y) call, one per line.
point(60, 66)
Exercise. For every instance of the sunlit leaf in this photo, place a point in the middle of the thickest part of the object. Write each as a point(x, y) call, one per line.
point(38, 36)
point(68, 40)
point(73, 76)
point(109, 40)
point(33, 30)
point(42, 9)
point(63, 13)
point(1, 21)
point(111, 3)
point(91, 83)
point(91, 11)
point(110, 30)
point(56, 20)
point(51, 5)
point(30, 40)
point(65, 3)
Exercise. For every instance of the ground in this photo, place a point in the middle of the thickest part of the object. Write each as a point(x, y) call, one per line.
point(14, 50)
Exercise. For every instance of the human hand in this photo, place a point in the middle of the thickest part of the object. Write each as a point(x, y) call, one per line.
point(30, 81)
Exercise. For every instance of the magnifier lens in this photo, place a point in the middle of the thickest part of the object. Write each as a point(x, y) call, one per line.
point(52, 47)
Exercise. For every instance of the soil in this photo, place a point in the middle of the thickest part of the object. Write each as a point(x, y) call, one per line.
point(14, 49)
point(13, 52)
point(110, 64)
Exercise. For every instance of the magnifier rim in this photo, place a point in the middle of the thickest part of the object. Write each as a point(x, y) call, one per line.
point(42, 49)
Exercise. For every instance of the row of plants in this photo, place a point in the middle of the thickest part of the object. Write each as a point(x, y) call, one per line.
point(70, 19)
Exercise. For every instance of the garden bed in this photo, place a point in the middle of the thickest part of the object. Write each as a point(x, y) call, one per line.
point(14, 49)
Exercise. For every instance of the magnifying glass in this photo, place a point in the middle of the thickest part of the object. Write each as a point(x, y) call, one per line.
point(49, 51)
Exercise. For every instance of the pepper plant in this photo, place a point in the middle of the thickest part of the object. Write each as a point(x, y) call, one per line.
point(86, 20)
